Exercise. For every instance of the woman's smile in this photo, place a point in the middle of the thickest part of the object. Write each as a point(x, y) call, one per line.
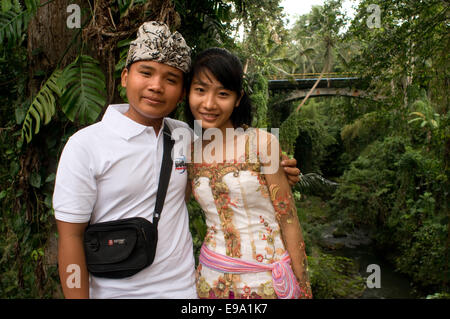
point(209, 117)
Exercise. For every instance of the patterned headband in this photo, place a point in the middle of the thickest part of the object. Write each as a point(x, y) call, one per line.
point(155, 42)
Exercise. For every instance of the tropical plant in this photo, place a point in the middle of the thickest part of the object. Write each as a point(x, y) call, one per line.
point(84, 85)
point(43, 106)
point(14, 20)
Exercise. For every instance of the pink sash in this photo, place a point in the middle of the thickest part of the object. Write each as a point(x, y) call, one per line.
point(284, 281)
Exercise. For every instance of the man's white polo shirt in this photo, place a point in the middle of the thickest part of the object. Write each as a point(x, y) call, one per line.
point(110, 170)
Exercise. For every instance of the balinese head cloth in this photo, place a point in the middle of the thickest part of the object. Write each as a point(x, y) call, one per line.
point(155, 42)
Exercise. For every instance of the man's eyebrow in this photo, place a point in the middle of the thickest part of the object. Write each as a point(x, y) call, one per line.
point(147, 67)
point(150, 68)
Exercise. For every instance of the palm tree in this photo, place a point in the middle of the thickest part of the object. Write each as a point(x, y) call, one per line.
point(325, 23)
point(303, 54)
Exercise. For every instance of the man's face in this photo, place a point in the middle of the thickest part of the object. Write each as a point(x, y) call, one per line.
point(153, 90)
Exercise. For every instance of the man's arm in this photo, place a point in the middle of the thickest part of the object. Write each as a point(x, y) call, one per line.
point(73, 272)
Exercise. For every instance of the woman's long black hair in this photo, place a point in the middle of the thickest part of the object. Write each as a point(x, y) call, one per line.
point(227, 69)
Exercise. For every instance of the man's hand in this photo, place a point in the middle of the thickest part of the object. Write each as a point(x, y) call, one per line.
point(290, 168)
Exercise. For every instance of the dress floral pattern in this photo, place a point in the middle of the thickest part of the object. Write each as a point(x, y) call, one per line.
point(242, 219)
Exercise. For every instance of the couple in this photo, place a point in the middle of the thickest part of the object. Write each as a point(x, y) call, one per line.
point(110, 170)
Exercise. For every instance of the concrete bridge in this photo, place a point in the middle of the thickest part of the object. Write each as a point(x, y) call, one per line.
point(332, 84)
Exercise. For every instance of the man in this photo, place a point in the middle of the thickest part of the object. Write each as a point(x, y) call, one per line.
point(110, 170)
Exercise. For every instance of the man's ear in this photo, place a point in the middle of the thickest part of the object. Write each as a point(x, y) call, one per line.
point(124, 77)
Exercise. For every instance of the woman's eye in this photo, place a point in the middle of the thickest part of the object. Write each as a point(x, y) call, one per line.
point(224, 94)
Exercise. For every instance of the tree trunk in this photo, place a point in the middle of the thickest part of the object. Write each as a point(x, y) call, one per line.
point(48, 39)
point(313, 88)
point(49, 45)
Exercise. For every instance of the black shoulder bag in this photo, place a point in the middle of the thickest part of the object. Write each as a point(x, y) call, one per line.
point(121, 248)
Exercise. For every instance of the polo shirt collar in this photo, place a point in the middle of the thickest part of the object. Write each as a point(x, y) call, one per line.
point(125, 127)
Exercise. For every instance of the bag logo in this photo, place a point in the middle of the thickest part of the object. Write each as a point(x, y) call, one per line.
point(180, 164)
point(112, 242)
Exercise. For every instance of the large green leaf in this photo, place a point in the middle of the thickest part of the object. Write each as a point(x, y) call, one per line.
point(43, 106)
point(84, 94)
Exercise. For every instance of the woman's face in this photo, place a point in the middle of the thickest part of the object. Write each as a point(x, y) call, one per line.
point(210, 102)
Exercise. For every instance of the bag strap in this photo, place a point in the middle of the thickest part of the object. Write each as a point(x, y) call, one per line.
point(164, 177)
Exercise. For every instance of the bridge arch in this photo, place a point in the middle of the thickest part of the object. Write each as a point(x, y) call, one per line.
point(329, 86)
point(349, 92)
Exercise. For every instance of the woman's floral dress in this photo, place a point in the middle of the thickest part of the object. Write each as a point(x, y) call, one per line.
point(245, 219)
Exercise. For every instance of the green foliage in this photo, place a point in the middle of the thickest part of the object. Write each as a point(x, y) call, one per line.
point(26, 215)
point(197, 226)
point(390, 187)
point(365, 129)
point(425, 121)
point(289, 133)
point(439, 295)
point(14, 20)
point(305, 135)
point(126, 5)
point(422, 256)
point(399, 51)
point(334, 277)
point(398, 180)
point(43, 106)
point(79, 88)
point(123, 46)
point(259, 100)
point(359, 195)
point(84, 95)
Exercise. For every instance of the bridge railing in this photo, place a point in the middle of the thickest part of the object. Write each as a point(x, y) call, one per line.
point(311, 75)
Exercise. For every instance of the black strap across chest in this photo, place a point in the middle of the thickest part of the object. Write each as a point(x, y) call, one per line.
point(164, 176)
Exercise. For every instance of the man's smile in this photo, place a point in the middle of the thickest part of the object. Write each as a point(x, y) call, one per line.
point(152, 100)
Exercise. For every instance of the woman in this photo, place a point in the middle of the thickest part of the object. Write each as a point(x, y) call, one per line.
point(254, 246)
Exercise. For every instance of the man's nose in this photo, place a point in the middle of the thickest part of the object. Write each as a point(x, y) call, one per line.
point(155, 84)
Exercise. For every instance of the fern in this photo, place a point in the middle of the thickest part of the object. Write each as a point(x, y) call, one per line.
point(315, 184)
point(43, 106)
point(80, 88)
point(84, 83)
point(14, 20)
